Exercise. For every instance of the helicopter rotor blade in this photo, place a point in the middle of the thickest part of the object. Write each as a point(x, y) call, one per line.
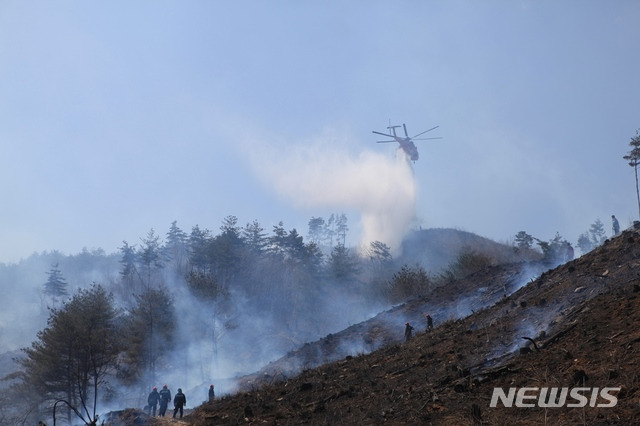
point(406, 135)
point(384, 141)
point(425, 131)
point(383, 134)
point(425, 139)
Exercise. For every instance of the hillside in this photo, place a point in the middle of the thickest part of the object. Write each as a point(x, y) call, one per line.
point(435, 248)
point(583, 317)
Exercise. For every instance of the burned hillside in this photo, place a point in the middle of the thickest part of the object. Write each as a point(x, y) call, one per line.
point(575, 324)
point(449, 302)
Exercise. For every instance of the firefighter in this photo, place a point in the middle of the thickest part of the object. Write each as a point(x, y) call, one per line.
point(429, 323)
point(407, 331)
point(152, 401)
point(165, 397)
point(179, 401)
point(212, 394)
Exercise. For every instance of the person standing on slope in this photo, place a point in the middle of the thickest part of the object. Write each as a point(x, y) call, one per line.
point(152, 400)
point(179, 401)
point(165, 397)
point(408, 332)
point(616, 225)
point(429, 323)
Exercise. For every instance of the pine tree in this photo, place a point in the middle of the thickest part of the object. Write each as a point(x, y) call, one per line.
point(226, 251)
point(342, 228)
point(254, 237)
point(407, 283)
point(128, 261)
point(584, 243)
point(633, 157)
point(56, 285)
point(329, 230)
point(523, 240)
point(199, 241)
point(379, 253)
point(150, 256)
point(75, 354)
point(175, 249)
point(316, 228)
point(295, 247)
point(149, 335)
point(343, 265)
point(554, 250)
point(277, 242)
point(597, 232)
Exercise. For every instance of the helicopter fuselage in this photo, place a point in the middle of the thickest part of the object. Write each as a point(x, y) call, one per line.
point(408, 147)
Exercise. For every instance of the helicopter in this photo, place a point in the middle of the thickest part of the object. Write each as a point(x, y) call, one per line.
point(406, 142)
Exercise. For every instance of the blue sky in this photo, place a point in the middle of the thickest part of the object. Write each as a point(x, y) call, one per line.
point(118, 117)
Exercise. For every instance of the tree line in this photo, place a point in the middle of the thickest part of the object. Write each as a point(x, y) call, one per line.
point(124, 331)
point(207, 287)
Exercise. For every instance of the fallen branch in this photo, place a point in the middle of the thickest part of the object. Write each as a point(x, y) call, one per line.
point(532, 341)
point(615, 335)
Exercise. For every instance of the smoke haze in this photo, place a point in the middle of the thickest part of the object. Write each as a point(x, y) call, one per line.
point(323, 174)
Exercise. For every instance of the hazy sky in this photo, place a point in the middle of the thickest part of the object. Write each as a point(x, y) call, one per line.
point(117, 117)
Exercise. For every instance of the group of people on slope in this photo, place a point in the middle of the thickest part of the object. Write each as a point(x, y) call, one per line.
point(408, 329)
point(163, 397)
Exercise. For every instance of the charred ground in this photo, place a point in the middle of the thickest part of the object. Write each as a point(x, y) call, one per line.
point(582, 316)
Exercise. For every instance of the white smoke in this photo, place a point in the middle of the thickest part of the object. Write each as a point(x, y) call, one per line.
point(323, 174)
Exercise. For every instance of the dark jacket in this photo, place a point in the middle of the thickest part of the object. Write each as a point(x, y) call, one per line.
point(407, 332)
point(154, 397)
point(165, 396)
point(179, 400)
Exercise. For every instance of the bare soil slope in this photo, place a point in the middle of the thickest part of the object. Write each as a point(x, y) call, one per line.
point(582, 317)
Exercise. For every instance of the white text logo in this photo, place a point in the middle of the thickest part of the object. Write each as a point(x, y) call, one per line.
point(546, 397)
